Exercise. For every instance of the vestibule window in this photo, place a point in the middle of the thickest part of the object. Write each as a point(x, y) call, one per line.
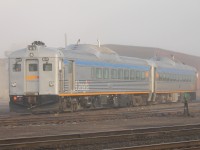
point(33, 67)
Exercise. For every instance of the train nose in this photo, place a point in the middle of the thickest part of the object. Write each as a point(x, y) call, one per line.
point(17, 98)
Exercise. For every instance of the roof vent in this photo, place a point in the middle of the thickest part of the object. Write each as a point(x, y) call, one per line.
point(79, 40)
point(99, 43)
point(38, 43)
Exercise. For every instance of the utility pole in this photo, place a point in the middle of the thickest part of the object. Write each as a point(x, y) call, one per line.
point(65, 40)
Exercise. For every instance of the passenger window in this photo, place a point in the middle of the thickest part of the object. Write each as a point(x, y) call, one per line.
point(47, 67)
point(105, 73)
point(114, 74)
point(164, 77)
point(160, 77)
point(182, 78)
point(16, 67)
point(170, 77)
point(132, 75)
point(186, 78)
point(167, 77)
point(177, 78)
point(120, 73)
point(33, 67)
point(190, 79)
point(138, 75)
point(126, 74)
point(173, 77)
point(143, 76)
point(93, 73)
point(98, 73)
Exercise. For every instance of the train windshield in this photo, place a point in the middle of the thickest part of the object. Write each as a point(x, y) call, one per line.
point(16, 67)
point(47, 67)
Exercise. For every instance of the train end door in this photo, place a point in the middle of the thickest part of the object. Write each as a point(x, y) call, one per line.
point(32, 77)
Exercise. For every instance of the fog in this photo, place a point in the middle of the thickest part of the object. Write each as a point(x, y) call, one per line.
point(167, 24)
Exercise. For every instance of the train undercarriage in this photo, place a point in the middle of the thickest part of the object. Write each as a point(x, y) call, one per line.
point(74, 103)
point(54, 103)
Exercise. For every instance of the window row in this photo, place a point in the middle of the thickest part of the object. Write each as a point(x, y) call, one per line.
point(126, 74)
point(33, 67)
point(175, 77)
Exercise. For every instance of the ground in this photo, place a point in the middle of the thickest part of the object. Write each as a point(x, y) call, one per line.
point(103, 125)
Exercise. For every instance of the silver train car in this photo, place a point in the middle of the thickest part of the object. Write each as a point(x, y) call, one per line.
point(88, 76)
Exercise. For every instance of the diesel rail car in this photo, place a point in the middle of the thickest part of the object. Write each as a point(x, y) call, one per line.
point(84, 76)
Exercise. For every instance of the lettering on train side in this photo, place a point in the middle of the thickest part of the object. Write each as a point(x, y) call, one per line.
point(82, 86)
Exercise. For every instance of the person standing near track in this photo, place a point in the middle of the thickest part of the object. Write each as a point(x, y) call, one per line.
point(186, 108)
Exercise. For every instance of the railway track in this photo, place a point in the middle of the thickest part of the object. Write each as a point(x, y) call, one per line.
point(183, 145)
point(114, 114)
point(21, 121)
point(169, 136)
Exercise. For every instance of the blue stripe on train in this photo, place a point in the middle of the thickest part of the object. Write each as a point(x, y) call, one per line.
point(105, 64)
point(127, 66)
point(173, 70)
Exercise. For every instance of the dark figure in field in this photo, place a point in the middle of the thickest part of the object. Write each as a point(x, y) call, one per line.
point(186, 109)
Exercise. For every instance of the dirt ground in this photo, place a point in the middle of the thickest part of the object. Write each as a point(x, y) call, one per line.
point(42, 130)
point(4, 107)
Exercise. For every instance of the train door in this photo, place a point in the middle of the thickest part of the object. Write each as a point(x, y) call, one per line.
point(154, 79)
point(32, 76)
point(61, 75)
point(71, 75)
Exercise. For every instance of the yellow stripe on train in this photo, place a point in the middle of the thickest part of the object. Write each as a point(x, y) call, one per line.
point(100, 93)
point(32, 77)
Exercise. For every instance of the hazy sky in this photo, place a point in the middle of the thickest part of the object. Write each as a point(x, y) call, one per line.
point(167, 24)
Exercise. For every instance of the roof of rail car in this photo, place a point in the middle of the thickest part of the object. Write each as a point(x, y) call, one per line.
point(41, 51)
point(95, 53)
point(164, 64)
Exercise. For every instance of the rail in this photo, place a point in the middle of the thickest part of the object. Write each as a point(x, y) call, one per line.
point(109, 139)
point(114, 114)
point(183, 145)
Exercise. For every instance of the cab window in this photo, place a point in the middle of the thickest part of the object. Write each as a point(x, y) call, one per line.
point(16, 67)
point(33, 67)
point(47, 67)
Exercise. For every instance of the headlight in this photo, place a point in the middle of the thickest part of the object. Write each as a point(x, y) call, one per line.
point(51, 83)
point(13, 84)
